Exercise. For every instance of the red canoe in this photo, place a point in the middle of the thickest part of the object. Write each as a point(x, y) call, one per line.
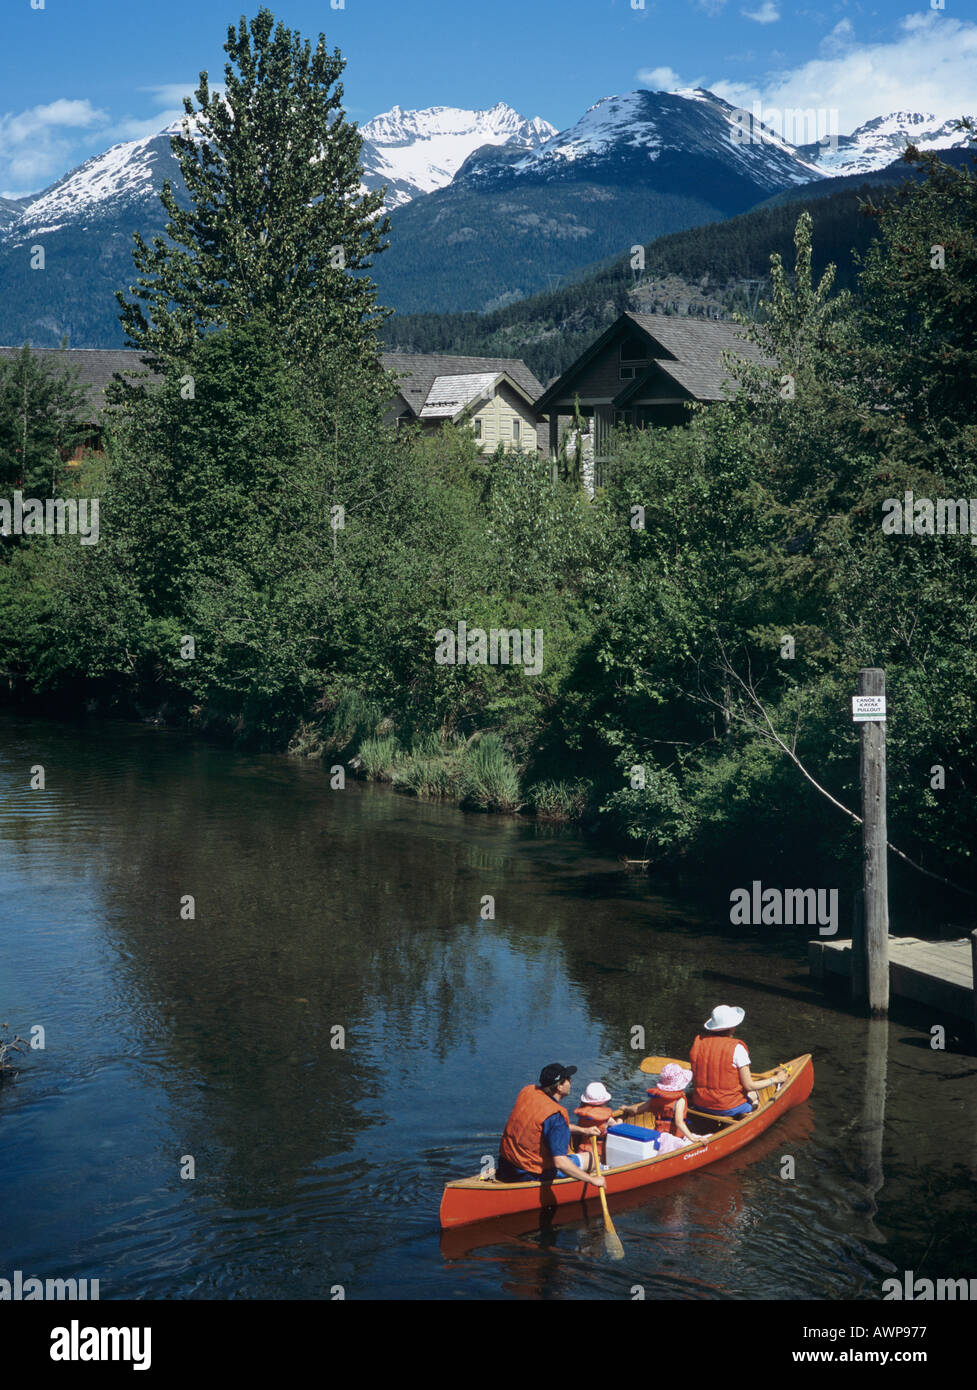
point(468, 1200)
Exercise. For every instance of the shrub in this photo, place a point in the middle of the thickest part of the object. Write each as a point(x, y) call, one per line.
point(491, 780)
point(560, 800)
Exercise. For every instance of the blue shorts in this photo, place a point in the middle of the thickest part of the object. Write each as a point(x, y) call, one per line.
point(744, 1109)
point(508, 1172)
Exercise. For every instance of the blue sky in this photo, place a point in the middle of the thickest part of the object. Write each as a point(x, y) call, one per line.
point(80, 75)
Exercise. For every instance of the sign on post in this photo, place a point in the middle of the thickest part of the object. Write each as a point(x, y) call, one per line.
point(865, 707)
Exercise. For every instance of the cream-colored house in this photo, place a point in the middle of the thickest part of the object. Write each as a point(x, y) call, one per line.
point(494, 396)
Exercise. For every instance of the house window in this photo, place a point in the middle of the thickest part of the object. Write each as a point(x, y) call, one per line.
point(628, 373)
point(515, 428)
point(477, 427)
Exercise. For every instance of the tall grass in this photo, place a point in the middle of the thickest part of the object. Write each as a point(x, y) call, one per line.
point(559, 800)
point(379, 758)
point(354, 719)
point(491, 780)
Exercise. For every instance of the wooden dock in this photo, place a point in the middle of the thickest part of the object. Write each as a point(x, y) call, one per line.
point(940, 974)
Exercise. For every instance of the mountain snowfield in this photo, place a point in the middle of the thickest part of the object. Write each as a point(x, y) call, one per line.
point(414, 152)
point(418, 152)
point(655, 122)
point(633, 168)
point(132, 171)
point(880, 141)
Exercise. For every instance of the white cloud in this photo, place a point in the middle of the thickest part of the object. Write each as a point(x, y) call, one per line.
point(132, 128)
point(663, 79)
point(766, 14)
point(36, 145)
point(928, 67)
point(40, 144)
point(839, 41)
point(172, 93)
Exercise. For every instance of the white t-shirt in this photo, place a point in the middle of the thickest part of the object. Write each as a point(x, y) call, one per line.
point(741, 1058)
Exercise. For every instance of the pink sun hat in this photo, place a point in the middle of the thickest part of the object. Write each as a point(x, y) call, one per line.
point(673, 1078)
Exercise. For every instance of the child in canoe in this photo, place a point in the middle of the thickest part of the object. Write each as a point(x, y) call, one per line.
point(594, 1112)
point(667, 1103)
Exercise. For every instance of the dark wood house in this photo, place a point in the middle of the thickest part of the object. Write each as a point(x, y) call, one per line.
point(643, 371)
point(95, 369)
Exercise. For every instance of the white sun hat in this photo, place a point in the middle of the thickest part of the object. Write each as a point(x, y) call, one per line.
point(725, 1016)
point(596, 1094)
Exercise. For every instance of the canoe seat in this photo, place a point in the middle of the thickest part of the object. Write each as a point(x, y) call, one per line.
point(720, 1119)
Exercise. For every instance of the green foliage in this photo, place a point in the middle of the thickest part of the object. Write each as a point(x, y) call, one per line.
point(491, 778)
point(42, 420)
point(690, 660)
point(559, 801)
point(379, 758)
point(275, 222)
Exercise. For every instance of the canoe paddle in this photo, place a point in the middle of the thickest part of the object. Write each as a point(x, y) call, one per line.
point(656, 1064)
point(612, 1241)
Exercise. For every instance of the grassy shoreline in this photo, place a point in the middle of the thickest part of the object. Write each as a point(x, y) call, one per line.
point(476, 773)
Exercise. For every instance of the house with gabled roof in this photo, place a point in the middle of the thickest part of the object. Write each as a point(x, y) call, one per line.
point(95, 368)
point(494, 396)
point(643, 371)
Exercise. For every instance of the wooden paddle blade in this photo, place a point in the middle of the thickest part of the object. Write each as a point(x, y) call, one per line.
point(612, 1241)
point(612, 1245)
point(655, 1064)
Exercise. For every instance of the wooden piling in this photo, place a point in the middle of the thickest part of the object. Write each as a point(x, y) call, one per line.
point(871, 681)
point(857, 977)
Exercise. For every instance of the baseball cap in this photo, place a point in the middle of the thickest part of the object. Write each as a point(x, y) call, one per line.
point(554, 1073)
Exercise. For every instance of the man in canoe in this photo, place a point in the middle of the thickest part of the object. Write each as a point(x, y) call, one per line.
point(535, 1144)
point(722, 1082)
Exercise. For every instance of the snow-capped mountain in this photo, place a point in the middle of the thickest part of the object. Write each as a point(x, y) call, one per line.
point(414, 152)
point(652, 134)
point(107, 185)
point(880, 141)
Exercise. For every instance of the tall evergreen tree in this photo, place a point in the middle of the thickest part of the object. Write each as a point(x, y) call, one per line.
point(42, 418)
point(276, 222)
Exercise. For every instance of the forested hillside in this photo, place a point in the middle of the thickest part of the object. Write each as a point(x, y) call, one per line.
point(661, 645)
point(703, 270)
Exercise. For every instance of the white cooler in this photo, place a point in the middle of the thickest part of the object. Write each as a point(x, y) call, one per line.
point(630, 1144)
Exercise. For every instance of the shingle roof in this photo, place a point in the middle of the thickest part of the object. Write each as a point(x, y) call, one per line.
point(96, 367)
point(690, 350)
point(694, 349)
point(449, 394)
point(422, 369)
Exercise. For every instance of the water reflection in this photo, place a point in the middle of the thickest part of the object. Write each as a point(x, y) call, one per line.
point(319, 1164)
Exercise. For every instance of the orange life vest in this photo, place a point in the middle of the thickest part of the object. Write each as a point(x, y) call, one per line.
point(663, 1105)
point(715, 1084)
point(593, 1117)
point(522, 1138)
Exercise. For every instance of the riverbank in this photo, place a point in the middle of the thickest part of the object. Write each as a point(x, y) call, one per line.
point(313, 909)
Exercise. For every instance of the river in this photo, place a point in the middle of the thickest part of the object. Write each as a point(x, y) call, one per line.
point(337, 1031)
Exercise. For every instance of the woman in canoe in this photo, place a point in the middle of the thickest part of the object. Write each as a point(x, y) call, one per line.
point(667, 1103)
point(722, 1082)
point(536, 1140)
